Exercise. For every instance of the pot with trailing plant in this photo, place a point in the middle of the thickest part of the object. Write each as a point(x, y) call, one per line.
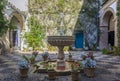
point(23, 68)
point(89, 66)
point(45, 56)
point(75, 70)
point(51, 71)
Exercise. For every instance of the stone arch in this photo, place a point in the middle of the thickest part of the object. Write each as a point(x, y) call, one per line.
point(107, 28)
point(14, 35)
point(109, 9)
point(19, 17)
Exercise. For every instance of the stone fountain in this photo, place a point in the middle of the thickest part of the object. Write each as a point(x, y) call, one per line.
point(60, 42)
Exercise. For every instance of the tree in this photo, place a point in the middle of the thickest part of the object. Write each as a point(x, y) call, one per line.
point(34, 37)
point(3, 22)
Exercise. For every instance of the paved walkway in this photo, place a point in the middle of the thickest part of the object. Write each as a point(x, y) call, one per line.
point(108, 68)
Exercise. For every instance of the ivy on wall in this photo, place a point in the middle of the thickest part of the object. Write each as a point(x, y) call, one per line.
point(56, 15)
point(118, 22)
point(89, 23)
point(3, 26)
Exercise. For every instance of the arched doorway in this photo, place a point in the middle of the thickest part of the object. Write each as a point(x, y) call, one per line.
point(15, 34)
point(107, 30)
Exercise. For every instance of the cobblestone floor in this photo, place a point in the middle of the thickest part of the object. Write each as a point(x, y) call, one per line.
point(108, 68)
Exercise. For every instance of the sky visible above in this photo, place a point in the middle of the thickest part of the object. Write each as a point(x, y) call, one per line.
point(20, 4)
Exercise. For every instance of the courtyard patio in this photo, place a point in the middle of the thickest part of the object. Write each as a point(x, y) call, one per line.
point(108, 68)
point(86, 33)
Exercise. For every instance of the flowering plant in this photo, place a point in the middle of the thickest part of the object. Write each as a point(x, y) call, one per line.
point(35, 53)
point(23, 64)
point(45, 55)
point(89, 63)
point(76, 67)
point(88, 60)
point(89, 55)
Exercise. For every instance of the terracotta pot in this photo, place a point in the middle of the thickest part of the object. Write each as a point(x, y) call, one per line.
point(24, 72)
point(45, 58)
point(90, 72)
point(51, 74)
point(74, 76)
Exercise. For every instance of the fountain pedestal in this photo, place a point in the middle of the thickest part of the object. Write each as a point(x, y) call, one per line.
point(61, 52)
point(60, 42)
point(61, 65)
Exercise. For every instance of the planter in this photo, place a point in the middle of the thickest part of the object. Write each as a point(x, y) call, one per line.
point(45, 58)
point(24, 72)
point(32, 61)
point(70, 57)
point(35, 53)
point(51, 74)
point(90, 72)
point(74, 76)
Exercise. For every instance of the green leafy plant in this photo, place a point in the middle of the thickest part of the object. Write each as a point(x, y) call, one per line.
point(50, 66)
point(34, 37)
point(118, 20)
point(4, 24)
point(25, 57)
point(76, 67)
point(32, 59)
point(29, 59)
point(104, 51)
point(116, 50)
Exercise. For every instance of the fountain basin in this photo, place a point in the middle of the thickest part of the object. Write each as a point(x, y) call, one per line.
point(60, 40)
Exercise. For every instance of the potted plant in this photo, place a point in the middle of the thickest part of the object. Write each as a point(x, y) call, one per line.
point(23, 68)
point(75, 70)
point(89, 66)
point(70, 56)
point(29, 59)
point(51, 71)
point(32, 59)
point(35, 53)
point(45, 56)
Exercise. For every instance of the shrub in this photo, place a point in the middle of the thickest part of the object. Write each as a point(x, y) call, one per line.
point(116, 50)
point(105, 51)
